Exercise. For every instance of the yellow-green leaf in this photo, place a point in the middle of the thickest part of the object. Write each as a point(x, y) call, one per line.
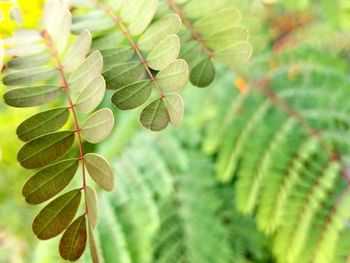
point(174, 76)
point(91, 202)
point(91, 96)
point(175, 106)
point(236, 54)
point(146, 11)
point(93, 247)
point(57, 215)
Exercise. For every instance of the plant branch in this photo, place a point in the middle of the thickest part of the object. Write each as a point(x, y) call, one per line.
point(60, 69)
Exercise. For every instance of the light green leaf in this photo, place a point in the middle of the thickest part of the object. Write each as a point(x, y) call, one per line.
point(226, 37)
point(218, 20)
point(174, 76)
point(45, 149)
point(155, 116)
point(77, 51)
point(93, 247)
point(112, 56)
point(108, 41)
point(100, 171)
point(91, 202)
point(175, 106)
point(28, 76)
point(158, 31)
point(147, 9)
point(98, 126)
point(25, 50)
point(49, 181)
point(32, 96)
point(164, 53)
point(123, 74)
point(37, 60)
point(23, 36)
point(57, 215)
point(93, 25)
point(86, 72)
point(200, 8)
point(203, 73)
point(91, 96)
point(41, 123)
point(73, 240)
point(236, 54)
point(133, 95)
point(192, 53)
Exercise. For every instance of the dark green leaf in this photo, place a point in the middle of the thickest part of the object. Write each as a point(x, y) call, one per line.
point(112, 56)
point(49, 181)
point(45, 149)
point(43, 122)
point(133, 95)
point(73, 241)
point(155, 116)
point(32, 96)
point(57, 215)
point(203, 73)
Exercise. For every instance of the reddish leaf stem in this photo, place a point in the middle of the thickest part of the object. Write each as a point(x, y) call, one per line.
point(77, 130)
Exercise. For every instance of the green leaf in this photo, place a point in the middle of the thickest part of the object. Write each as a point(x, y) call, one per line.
point(91, 96)
point(45, 149)
point(192, 53)
point(200, 8)
point(155, 116)
point(41, 123)
point(227, 37)
point(123, 74)
point(57, 215)
point(203, 73)
point(174, 76)
point(112, 56)
point(133, 95)
point(146, 11)
point(32, 96)
point(100, 171)
point(175, 106)
point(98, 126)
point(25, 50)
point(93, 247)
point(49, 181)
point(164, 53)
point(236, 54)
point(86, 72)
point(77, 51)
point(37, 60)
point(28, 76)
point(158, 31)
point(73, 240)
point(91, 202)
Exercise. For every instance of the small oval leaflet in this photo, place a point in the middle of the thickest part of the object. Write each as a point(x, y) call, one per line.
point(57, 215)
point(174, 76)
point(41, 123)
point(155, 116)
point(175, 106)
point(32, 96)
point(133, 95)
point(91, 202)
point(49, 181)
point(45, 149)
point(203, 73)
point(92, 245)
point(100, 171)
point(73, 240)
point(98, 126)
point(28, 76)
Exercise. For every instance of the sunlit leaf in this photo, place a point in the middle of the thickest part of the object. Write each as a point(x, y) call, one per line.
point(57, 215)
point(49, 181)
point(29, 61)
point(91, 202)
point(32, 96)
point(73, 240)
point(203, 73)
point(133, 95)
point(159, 30)
point(199, 8)
point(174, 76)
point(100, 171)
point(92, 245)
point(164, 53)
point(144, 16)
point(227, 37)
point(91, 96)
point(45, 149)
point(175, 106)
point(98, 126)
point(236, 54)
point(77, 51)
point(155, 116)
point(28, 76)
point(43, 122)
point(86, 72)
point(25, 50)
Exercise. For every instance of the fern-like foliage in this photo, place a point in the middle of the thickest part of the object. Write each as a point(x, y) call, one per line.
point(140, 54)
point(48, 70)
point(287, 150)
point(212, 32)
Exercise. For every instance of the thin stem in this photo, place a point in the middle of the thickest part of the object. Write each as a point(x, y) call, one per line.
point(60, 69)
point(133, 44)
point(196, 36)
